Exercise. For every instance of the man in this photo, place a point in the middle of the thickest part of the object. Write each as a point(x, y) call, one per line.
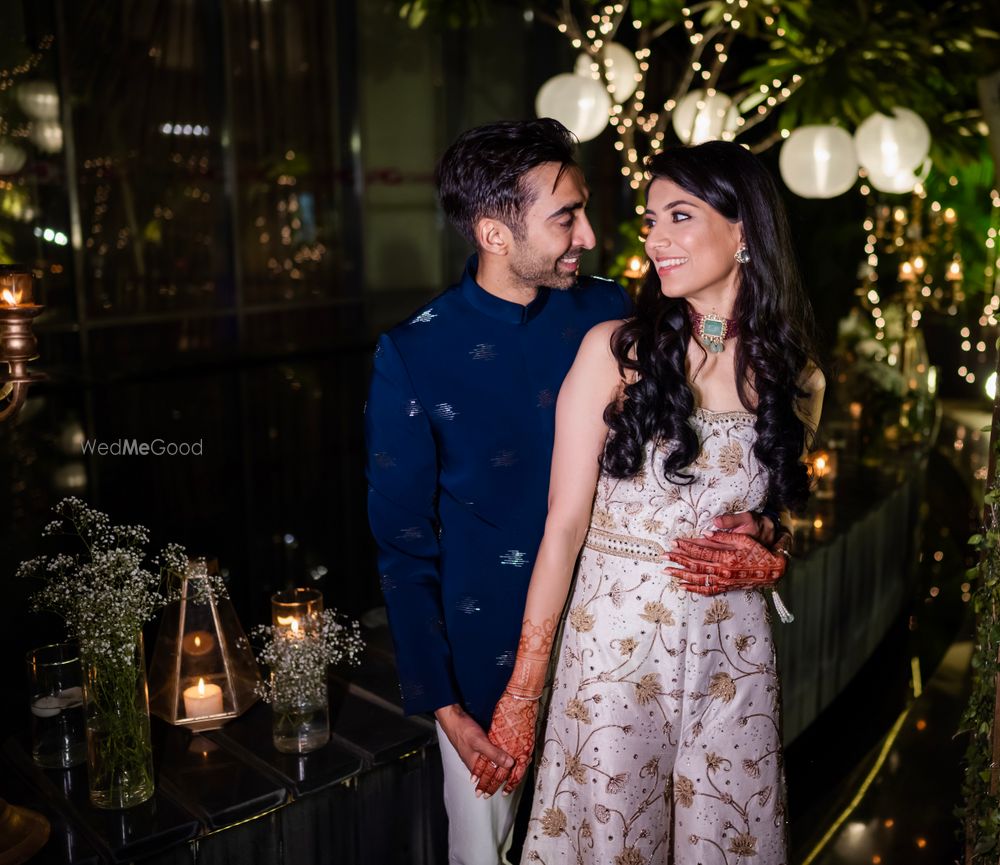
point(460, 425)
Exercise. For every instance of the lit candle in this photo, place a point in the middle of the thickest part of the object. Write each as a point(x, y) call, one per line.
point(16, 288)
point(198, 643)
point(202, 700)
point(635, 268)
point(301, 606)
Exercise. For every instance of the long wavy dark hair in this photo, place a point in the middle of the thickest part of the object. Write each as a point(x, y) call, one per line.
point(773, 350)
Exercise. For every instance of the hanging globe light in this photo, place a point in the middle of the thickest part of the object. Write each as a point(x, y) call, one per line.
point(699, 117)
point(892, 146)
point(39, 100)
point(47, 135)
point(12, 158)
point(621, 69)
point(901, 181)
point(818, 161)
point(581, 104)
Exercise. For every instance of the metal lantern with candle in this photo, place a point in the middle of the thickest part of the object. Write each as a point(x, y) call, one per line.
point(822, 467)
point(203, 672)
point(18, 345)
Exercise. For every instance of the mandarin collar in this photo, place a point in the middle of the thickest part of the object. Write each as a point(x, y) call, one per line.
point(497, 307)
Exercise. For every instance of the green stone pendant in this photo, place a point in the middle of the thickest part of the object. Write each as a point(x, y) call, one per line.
point(712, 332)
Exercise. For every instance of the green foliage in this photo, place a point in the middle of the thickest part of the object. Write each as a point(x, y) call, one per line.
point(451, 14)
point(866, 56)
point(855, 56)
point(629, 244)
point(981, 811)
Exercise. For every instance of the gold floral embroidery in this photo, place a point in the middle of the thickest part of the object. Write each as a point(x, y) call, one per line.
point(630, 856)
point(718, 611)
point(730, 458)
point(713, 761)
point(601, 813)
point(575, 769)
point(653, 526)
point(616, 783)
point(743, 844)
point(627, 645)
point(602, 519)
point(616, 594)
point(580, 619)
point(722, 686)
point(578, 711)
point(657, 614)
point(684, 791)
point(554, 822)
point(647, 688)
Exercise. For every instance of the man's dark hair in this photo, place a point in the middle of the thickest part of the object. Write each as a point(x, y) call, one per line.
point(482, 174)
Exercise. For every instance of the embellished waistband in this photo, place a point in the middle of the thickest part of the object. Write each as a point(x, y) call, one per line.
point(624, 546)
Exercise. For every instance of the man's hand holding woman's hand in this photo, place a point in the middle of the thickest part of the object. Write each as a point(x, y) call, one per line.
point(738, 556)
point(513, 731)
point(470, 740)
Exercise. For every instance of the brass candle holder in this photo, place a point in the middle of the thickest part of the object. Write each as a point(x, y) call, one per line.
point(18, 345)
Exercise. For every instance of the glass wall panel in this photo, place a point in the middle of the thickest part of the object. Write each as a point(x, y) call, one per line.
point(286, 132)
point(147, 113)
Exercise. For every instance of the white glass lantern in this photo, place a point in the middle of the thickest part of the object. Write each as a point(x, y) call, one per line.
point(12, 158)
point(47, 135)
point(892, 146)
point(39, 100)
point(901, 181)
point(818, 161)
point(581, 104)
point(621, 70)
point(699, 117)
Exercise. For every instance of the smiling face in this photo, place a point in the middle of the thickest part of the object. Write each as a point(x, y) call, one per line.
point(692, 247)
point(555, 230)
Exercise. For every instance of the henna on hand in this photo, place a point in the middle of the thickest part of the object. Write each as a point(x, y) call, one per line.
point(513, 726)
point(723, 563)
point(513, 730)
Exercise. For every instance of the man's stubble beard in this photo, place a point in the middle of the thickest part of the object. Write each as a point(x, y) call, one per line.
point(535, 274)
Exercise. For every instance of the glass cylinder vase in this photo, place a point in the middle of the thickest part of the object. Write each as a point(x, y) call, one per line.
point(302, 725)
point(119, 750)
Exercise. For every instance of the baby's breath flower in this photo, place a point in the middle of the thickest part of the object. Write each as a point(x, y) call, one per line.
point(298, 659)
point(104, 592)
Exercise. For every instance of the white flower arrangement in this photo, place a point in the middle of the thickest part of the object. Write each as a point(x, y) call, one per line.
point(298, 659)
point(104, 593)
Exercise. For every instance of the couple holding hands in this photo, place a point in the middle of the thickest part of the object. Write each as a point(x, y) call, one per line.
point(563, 484)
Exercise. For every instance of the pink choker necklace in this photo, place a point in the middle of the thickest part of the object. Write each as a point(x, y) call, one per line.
point(713, 330)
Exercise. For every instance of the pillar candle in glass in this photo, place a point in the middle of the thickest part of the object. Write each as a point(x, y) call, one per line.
point(296, 609)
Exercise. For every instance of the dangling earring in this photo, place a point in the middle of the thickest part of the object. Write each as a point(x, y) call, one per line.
point(742, 254)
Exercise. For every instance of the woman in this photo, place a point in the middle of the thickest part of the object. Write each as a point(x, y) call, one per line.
point(663, 738)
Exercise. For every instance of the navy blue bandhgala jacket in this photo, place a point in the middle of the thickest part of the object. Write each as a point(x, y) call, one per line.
point(460, 423)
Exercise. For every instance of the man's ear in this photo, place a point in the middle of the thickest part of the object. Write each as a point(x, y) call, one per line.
point(493, 236)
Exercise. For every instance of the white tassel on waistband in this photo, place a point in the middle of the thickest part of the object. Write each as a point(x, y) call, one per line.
point(779, 605)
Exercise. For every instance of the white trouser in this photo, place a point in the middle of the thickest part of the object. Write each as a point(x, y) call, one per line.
point(479, 830)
